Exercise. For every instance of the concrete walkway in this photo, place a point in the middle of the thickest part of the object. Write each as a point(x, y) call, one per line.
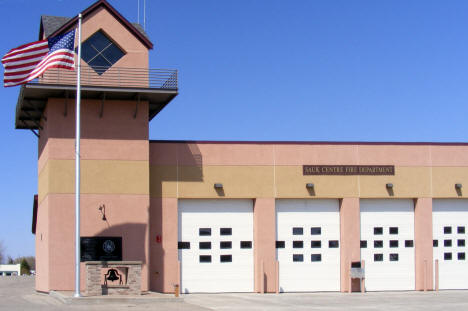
point(17, 293)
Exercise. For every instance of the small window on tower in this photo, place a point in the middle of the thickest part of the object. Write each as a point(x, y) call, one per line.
point(100, 52)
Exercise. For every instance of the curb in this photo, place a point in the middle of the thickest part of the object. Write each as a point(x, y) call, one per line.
point(102, 300)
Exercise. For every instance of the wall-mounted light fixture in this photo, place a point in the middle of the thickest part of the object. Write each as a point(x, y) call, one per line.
point(458, 186)
point(218, 186)
point(310, 186)
point(102, 209)
point(389, 185)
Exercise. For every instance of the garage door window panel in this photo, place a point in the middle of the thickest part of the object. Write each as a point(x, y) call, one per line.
point(315, 244)
point(205, 258)
point(298, 244)
point(297, 231)
point(225, 231)
point(204, 232)
point(225, 258)
point(204, 245)
point(298, 258)
point(246, 244)
point(316, 231)
point(183, 245)
point(316, 257)
point(378, 244)
point(280, 244)
point(333, 244)
point(225, 245)
point(378, 257)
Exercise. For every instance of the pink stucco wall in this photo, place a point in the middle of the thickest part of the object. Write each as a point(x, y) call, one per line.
point(127, 216)
point(264, 242)
point(423, 243)
point(265, 153)
point(164, 254)
point(42, 247)
point(350, 235)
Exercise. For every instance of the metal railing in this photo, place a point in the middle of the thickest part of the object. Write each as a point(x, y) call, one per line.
point(113, 77)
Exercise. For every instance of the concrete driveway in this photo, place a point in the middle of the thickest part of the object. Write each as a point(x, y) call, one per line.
point(17, 293)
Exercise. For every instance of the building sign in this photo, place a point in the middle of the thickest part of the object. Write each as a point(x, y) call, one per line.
point(348, 170)
point(101, 248)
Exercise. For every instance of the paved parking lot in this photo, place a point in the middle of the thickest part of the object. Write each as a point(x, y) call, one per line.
point(17, 293)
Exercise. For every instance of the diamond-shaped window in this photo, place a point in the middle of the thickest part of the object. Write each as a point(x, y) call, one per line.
point(99, 52)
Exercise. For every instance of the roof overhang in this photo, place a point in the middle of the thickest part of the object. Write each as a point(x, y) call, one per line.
point(33, 98)
point(72, 22)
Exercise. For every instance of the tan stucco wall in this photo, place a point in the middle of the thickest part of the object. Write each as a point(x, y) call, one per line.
point(248, 181)
point(98, 176)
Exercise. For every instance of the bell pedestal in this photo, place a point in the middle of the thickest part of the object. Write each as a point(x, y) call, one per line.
point(113, 278)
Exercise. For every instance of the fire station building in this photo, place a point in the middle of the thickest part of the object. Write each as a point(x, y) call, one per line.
point(227, 216)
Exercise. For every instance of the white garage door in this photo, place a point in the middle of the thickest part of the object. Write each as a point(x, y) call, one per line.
point(216, 246)
point(450, 228)
point(387, 244)
point(308, 247)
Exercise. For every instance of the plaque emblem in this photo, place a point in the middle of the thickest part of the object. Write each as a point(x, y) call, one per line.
point(108, 246)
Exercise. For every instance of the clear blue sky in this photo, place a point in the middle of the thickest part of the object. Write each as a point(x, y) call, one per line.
point(270, 70)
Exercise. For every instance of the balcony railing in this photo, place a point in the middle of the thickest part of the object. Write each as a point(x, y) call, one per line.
point(113, 77)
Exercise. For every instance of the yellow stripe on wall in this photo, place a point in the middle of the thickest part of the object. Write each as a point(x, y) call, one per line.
point(97, 177)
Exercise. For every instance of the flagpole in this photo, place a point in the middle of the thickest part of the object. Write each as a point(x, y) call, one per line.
point(77, 165)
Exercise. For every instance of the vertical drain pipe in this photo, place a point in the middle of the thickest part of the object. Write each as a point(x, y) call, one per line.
point(277, 276)
point(363, 280)
point(425, 275)
point(262, 278)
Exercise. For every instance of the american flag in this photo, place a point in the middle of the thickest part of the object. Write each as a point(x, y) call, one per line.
point(28, 61)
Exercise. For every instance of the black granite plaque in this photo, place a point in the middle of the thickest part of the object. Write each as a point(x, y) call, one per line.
point(101, 248)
